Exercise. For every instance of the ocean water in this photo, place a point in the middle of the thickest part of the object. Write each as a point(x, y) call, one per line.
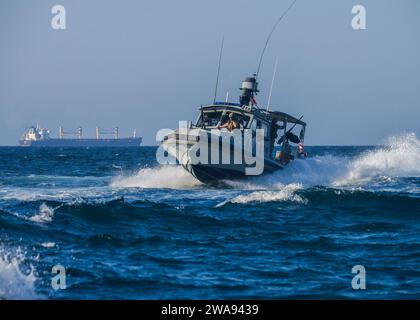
point(124, 227)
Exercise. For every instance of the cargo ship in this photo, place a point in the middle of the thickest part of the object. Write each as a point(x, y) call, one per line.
point(40, 137)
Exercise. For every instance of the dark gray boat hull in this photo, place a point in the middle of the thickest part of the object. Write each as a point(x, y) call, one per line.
point(215, 174)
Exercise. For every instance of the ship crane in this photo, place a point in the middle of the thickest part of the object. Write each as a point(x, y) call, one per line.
point(113, 131)
point(77, 132)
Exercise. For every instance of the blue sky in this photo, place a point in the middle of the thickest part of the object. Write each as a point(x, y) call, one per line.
point(147, 64)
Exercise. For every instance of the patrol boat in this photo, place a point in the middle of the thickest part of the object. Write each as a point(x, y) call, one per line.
point(209, 148)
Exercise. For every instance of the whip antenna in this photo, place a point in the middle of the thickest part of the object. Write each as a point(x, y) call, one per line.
point(270, 34)
point(272, 82)
point(218, 69)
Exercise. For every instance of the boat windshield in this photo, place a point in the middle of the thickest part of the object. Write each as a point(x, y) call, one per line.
point(209, 118)
point(212, 119)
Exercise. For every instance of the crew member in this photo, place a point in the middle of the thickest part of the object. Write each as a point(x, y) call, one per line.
point(231, 124)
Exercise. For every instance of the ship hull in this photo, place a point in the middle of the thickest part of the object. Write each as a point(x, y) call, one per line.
point(213, 174)
point(64, 143)
point(216, 174)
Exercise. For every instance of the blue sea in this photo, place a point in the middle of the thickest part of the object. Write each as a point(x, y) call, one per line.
point(124, 227)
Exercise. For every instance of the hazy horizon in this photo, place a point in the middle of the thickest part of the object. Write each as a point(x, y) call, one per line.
point(146, 65)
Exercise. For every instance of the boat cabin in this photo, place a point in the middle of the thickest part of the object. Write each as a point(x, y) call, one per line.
point(277, 126)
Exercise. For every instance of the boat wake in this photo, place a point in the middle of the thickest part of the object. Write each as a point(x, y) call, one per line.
point(398, 158)
point(171, 177)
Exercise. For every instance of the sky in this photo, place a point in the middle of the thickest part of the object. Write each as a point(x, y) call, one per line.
point(146, 65)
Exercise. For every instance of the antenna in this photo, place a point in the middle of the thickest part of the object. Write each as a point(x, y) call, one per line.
point(272, 82)
point(271, 33)
point(218, 69)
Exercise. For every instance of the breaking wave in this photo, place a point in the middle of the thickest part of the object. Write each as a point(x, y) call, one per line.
point(44, 215)
point(14, 282)
point(287, 193)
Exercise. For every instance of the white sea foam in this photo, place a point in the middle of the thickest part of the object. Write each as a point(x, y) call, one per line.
point(318, 170)
point(68, 195)
point(173, 177)
point(284, 193)
point(48, 244)
point(44, 215)
point(400, 157)
point(14, 283)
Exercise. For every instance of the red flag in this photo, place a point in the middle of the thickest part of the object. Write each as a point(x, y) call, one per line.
point(253, 101)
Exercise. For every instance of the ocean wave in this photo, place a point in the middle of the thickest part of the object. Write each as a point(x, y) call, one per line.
point(16, 284)
point(44, 215)
point(109, 211)
point(286, 193)
point(75, 194)
point(354, 201)
point(361, 201)
point(171, 177)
